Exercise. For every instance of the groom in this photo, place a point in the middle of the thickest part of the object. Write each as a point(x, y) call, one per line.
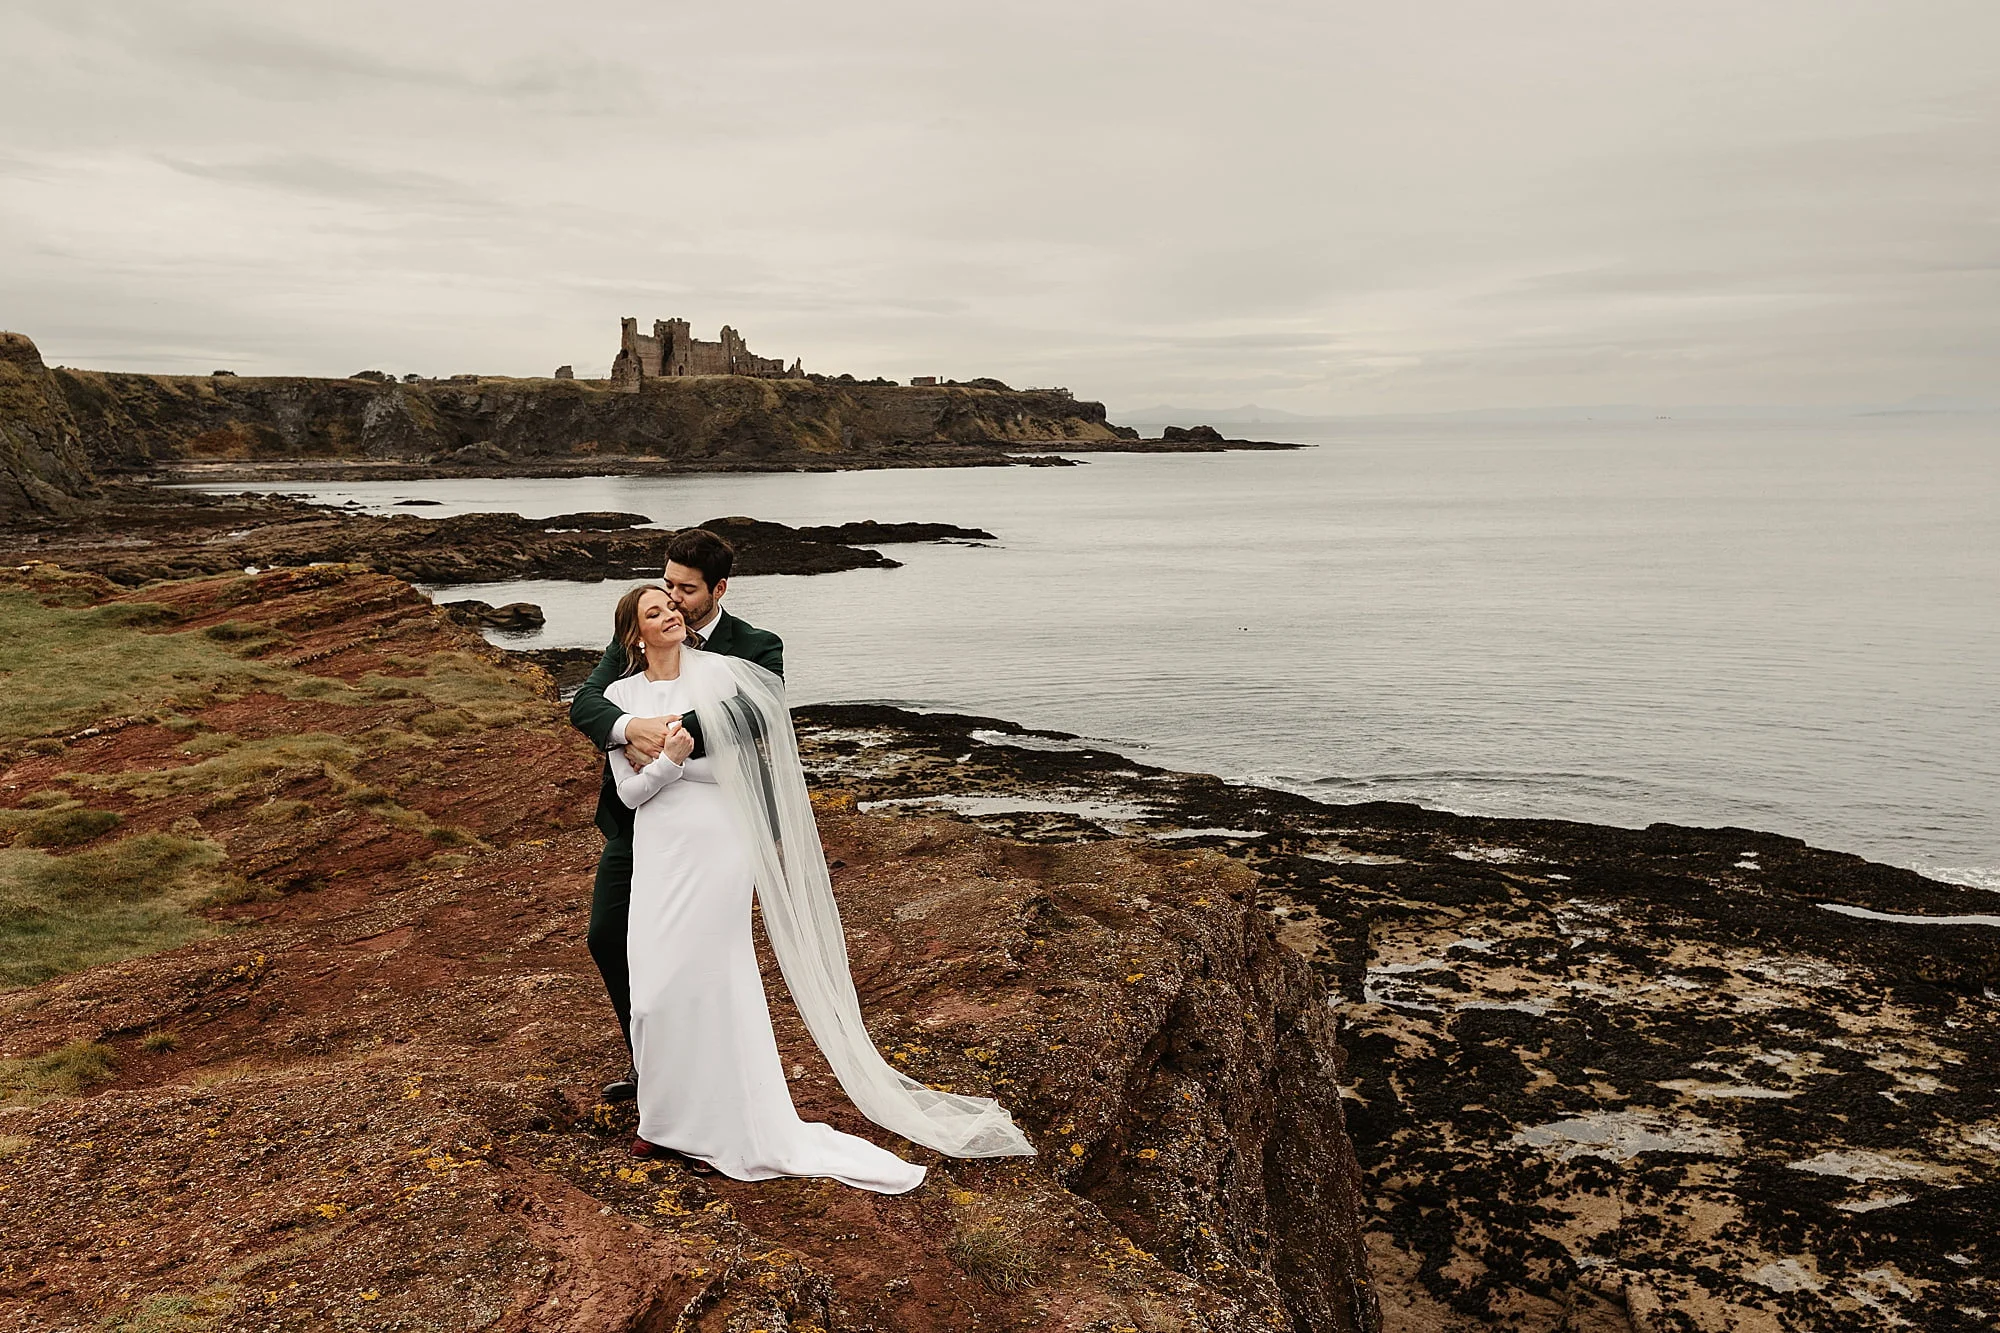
point(697, 574)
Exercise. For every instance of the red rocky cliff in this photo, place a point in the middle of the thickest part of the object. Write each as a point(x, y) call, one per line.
point(367, 1097)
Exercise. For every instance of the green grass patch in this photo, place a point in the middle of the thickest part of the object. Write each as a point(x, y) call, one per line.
point(445, 722)
point(53, 818)
point(239, 631)
point(63, 1072)
point(241, 768)
point(131, 897)
point(65, 667)
point(476, 692)
point(65, 825)
point(319, 687)
point(203, 1312)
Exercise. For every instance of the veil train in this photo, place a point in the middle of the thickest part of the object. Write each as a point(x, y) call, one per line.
point(748, 729)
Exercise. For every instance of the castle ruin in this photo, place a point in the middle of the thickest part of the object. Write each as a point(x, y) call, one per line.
point(672, 351)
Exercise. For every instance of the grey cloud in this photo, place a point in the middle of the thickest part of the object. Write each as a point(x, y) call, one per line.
point(316, 174)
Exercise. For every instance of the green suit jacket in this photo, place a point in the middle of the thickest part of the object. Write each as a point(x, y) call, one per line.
point(593, 715)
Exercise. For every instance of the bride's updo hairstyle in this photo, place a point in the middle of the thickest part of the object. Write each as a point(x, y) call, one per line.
point(625, 626)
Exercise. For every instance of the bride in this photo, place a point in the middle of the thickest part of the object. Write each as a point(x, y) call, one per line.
point(705, 831)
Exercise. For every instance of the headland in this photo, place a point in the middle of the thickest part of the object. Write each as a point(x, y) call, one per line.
point(63, 428)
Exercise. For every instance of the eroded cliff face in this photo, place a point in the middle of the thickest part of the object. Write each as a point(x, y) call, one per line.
point(44, 472)
point(129, 421)
point(371, 1100)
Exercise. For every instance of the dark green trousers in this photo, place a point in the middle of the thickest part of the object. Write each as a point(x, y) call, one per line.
point(610, 912)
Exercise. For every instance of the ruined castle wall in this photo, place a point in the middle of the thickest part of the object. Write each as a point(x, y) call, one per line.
point(705, 358)
point(672, 351)
point(650, 354)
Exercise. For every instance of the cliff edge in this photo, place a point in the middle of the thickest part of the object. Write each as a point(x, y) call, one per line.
point(44, 470)
point(304, 1033)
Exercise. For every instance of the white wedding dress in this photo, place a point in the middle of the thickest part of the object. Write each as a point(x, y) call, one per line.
point(711, 1082)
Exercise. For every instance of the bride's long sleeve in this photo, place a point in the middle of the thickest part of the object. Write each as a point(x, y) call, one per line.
point(640, 785)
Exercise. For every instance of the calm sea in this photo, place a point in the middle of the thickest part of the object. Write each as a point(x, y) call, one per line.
point(1785, 626)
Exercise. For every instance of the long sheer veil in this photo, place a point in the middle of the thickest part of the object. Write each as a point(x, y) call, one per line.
point(748, 730)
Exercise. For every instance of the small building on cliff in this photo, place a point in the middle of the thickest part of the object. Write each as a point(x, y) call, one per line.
point(671, 350)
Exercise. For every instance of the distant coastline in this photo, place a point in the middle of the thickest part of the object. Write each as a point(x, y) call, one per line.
point(64, 431)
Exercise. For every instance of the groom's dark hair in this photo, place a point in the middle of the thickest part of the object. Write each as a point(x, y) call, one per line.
point(698, 548)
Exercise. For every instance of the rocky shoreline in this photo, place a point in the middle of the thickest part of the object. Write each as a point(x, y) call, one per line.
point(1026, 453)
point(1289, 1064)
point(295, 471)
point(1598, 1078)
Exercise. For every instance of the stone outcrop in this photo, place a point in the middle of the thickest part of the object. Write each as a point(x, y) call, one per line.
point(44, 470)
point(373, 1102)
point(153, 534)
point(515, 617)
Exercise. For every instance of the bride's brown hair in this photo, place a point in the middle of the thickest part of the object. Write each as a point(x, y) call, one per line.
point(625, 626)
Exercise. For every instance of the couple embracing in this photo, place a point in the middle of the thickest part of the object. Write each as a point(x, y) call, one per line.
point(704, 804)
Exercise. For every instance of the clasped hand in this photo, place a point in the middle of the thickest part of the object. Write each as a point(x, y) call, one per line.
point(647, 738)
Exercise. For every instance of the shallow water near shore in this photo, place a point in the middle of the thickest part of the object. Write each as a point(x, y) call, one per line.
point(1777, 625)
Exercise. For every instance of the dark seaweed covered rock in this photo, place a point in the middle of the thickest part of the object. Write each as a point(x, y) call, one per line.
point(147, 534)
point(1597, 1078)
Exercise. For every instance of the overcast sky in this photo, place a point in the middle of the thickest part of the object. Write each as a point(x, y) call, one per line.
point(1318, 205)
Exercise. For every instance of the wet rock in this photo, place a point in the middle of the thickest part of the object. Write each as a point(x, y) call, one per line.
point(868, 532)
point(595, 521)
point(151, 534)
point(570, 667)
point(1192, 435)
point(514, 616)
